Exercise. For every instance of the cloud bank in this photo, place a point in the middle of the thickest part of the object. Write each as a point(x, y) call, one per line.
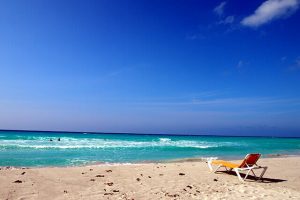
point(269, 11)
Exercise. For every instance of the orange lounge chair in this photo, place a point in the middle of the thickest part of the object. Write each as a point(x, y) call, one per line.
point(248, 165)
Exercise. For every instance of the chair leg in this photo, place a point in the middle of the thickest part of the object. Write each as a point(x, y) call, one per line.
point(238, 174)
point(219, 166)
point(263, 172)
point(209, 165)
point(254, 174)
point(247, 174)
point(229, 170)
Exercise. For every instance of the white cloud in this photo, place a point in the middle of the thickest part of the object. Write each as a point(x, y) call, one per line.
point(219, 10)
point(270, 10)
point(227, 20)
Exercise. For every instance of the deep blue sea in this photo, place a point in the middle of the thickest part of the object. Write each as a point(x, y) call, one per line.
point(33, 149)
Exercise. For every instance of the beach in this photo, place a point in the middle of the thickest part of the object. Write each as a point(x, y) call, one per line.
point(176, 180)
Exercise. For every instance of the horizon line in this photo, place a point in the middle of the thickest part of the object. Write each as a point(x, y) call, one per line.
point(129, 133)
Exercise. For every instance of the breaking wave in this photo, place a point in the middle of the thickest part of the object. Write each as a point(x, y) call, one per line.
point(76, 143)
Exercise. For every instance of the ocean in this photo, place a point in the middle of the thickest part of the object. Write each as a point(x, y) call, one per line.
point(39, 149)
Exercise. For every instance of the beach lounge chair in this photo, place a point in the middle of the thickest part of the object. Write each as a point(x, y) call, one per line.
point(247, 165)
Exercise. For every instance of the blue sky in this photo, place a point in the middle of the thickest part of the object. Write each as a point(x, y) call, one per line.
point(151, 66)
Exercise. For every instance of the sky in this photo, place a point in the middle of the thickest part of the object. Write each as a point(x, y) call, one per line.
point(151, 66)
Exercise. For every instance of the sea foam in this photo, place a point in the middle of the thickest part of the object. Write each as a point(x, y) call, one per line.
point(74, 143)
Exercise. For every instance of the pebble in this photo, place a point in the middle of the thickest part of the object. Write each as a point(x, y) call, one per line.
point(18, 181)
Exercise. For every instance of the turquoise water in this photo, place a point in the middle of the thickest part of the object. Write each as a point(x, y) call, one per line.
point(36, 149)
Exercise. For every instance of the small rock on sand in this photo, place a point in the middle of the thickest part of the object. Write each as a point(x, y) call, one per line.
point(173, 195)
point(18, 181)
point(181, 174)
point(138, 179)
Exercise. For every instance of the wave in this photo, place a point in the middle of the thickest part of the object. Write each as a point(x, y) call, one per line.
point(73, 143)
point(164, 139)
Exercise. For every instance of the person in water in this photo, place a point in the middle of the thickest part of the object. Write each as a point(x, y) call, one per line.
point(52, 140)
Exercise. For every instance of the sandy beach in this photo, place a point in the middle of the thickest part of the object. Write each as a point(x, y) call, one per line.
point(181, 180)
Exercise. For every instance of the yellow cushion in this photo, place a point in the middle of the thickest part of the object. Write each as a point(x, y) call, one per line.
point(225, 163)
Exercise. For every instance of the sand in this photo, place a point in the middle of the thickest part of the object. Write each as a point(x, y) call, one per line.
point(182, 180)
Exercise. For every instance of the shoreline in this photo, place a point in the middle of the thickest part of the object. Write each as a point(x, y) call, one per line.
point(181, 160)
